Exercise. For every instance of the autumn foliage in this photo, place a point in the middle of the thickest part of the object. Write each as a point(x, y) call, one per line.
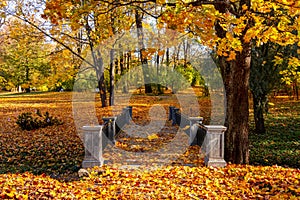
point(232, 182)
point(43, 163)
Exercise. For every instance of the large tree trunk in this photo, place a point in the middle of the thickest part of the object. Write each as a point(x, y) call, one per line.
point(144, 61)
point(258, 106)
point(99, 68)
point(235, 76)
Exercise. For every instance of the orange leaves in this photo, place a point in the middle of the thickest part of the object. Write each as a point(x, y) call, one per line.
point(153, 136)
point(229, 46)
point(3, 3)
point(57, 151)
point(294, 62)
point(48, 150)
point(234, 182)
point(199, 20)
point(262, 21)
point(240, 25)
point(231, 56)
point(274, 22)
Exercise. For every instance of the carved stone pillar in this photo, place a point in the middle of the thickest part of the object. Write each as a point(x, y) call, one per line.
point(92, 146)
point(214, 147)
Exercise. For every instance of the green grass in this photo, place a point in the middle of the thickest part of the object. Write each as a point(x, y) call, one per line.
point(280, 145)
point(18, 94)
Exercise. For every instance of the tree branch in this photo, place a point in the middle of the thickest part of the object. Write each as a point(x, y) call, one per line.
point(53, 38)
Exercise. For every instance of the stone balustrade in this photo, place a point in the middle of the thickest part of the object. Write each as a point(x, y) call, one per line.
point(92, 146)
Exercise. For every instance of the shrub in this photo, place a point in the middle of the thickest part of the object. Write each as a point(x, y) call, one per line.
point(28, 122)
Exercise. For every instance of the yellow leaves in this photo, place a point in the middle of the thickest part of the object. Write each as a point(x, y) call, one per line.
point(229, 46)
point(3, 3)
point(283, 24)
point(231, 56)
point(244, 7)
point(153, 136)
point(276, 25)
point(278, 60)
point(270, 34)
point(287, 2)
point(287, 38)
point(240, 26)
point(294, 62)
point(161, 1)
point(255, 4)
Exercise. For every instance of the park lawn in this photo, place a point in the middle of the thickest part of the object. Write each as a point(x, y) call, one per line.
point(43, 163)
point(280, 145)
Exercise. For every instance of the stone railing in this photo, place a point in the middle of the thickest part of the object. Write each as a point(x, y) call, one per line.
point(209, 137)
point(96, 138)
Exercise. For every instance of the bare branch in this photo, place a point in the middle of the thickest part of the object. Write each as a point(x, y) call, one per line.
point(53, 38)
point(75, 38)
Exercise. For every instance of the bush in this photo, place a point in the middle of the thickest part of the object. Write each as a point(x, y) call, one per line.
point(27, 122)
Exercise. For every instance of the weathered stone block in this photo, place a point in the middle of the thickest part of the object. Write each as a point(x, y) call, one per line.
point(92, 146)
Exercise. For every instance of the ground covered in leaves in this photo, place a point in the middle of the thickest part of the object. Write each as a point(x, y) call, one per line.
point(43, 163)
point(232, 182)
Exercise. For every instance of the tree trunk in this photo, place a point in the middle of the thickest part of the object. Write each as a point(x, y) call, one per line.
point(125, 65)
point(258, 106)
point(99, 68)
point(27, 89)
point(112, 78)
point(297, 92)
point(235, 76)
point(144, 61)
point(102, 90)
point(97, 64)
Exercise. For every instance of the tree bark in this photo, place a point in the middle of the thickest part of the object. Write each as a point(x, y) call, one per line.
point(235, 76)
point(296, 88)
point(144, 61)
point(102, 88)
point(99, 68)
point(27, 89)
point(258, 106)
point(97, 64)
point(112, 78)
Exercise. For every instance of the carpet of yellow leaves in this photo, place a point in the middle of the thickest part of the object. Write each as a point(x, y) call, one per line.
point(169, 182)
point(43, 164)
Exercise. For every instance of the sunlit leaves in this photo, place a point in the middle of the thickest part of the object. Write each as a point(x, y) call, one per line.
point(232, 182)
point(24, 54)
point(103, 19)
point(263, 21)
point(3, 3)
point(58, 152)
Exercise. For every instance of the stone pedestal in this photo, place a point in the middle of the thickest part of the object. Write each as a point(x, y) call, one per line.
point(127, 114)
point(92, 146)
point(174, 119)
point(171, 112)
point(130, 111)
point(196, 120)
point(193, 129)
point(214, 147)
point(111, 121)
